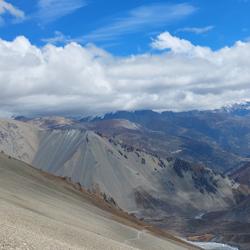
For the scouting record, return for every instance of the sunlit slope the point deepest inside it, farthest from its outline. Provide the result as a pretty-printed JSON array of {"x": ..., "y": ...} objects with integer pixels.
[{"x": 135, "y": 179}]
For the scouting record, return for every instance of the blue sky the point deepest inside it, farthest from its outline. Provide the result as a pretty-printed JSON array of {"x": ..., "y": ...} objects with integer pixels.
[
  {"x": 127, "y": 27},
  {"x": 89, "y": 57}
]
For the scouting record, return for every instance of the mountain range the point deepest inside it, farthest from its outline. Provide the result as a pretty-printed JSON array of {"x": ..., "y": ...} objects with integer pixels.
[{"x": 185, "y": 172}]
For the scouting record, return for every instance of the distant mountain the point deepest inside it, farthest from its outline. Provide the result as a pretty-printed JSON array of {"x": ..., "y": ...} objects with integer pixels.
[
  {"x": 219, "y": 139},
  {"x": 21, "y": 118},
  {"x": 239, "y": 109}
]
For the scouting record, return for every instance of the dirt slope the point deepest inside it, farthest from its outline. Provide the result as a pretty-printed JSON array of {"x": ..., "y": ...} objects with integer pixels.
[{"x": 38, "y": 211}]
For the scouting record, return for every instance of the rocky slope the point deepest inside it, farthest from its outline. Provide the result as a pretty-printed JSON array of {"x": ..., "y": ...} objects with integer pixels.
[
  {"x": 242, "y": 174},
  {"x": 19, "y": 139},
  {"x": 40, "y": 211},
  {"x": 139, "y": 182}
]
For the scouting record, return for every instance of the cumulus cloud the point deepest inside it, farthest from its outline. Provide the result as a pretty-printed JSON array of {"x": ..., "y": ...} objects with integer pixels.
[
  {"x": 6, "y": 7},
  {"x": 176, "y": 45},
  {"x": 87, "y": 80}
]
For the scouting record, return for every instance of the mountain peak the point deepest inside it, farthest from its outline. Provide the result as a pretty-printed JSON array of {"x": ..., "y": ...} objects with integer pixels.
[{"x": 240, "y": 109}]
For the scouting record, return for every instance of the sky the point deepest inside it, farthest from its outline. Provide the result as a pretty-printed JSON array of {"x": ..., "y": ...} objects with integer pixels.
[{"x": 87, "y": 57}]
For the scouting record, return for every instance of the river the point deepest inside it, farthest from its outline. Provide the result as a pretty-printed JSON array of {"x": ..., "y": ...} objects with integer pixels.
[{"x": 213, "y": 246}]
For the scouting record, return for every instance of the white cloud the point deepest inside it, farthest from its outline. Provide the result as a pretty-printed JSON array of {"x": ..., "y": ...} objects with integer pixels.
[
  {"x": 60, "y": 38},
  {"x": 51, "y": 10},
  {"x": 176, "y": 45},
  {"x": 6, "y": 7},
  {"x": 167, "y": 41},
  {"x": 85, "y": 79},
  {"x": 141, "y": 18},
  {"x": 197, "y": 30}
]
